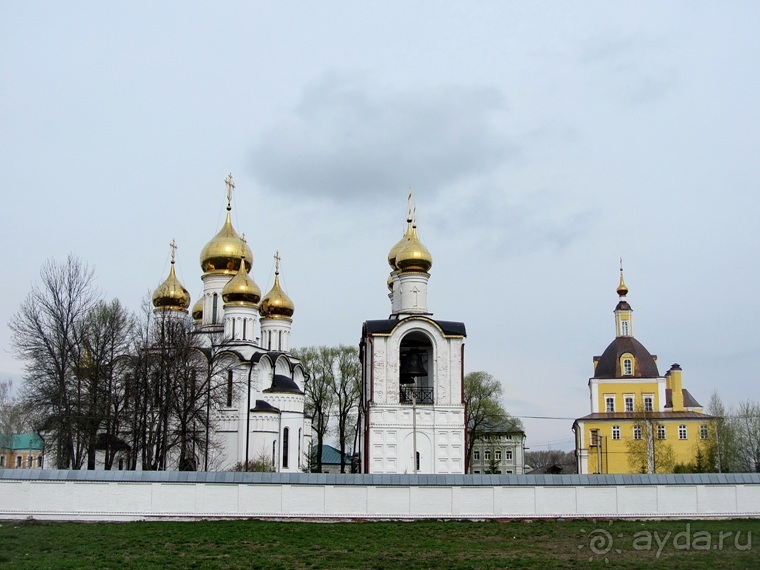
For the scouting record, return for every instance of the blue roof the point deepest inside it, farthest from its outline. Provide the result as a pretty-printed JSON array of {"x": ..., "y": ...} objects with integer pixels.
[{"x": 19, "y": 441}]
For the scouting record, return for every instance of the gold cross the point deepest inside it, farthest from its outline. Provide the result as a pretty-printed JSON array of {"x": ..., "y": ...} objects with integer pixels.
[
  {"x": 409, "y": 204},
  {"x": 230, "y": 187},
  {"x": 173, "y": 246},
  {"x": 277, "y": 261}
]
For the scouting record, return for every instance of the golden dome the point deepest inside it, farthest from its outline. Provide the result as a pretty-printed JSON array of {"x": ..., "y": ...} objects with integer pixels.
[
  {"x": 222, "y": 253},
  {"x": 622, "y": 289},
  {"x": 276, "y": 304},
  {"x": 241, "y": 289},
  {"x": 171, "y": 294},
  {"x": 414, "y": 256},
  {"x": 197, "y": 311},
  {"x": 393, "y": 253}
]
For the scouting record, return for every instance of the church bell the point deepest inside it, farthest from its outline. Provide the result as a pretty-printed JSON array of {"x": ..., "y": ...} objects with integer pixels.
[{"x": 411, "y": 366}]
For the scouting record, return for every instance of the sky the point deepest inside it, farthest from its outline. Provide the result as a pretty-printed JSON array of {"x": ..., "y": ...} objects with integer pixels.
[{"x": 543, "y": 142}]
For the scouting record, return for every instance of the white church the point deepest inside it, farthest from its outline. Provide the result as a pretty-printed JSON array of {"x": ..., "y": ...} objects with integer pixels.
[
  {"x": 248, "y": 336},
  {"x": 412, "y": 374}
]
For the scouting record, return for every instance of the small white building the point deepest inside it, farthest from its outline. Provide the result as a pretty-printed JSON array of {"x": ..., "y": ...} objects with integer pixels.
[{"x": 413, "y": 417}]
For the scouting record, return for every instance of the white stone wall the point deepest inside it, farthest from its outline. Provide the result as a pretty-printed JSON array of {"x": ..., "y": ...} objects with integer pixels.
[{"x": 57, "y": 498}]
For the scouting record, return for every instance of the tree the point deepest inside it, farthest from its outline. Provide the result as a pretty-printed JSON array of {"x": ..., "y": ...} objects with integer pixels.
[
  {"x": 548, "y": 457},
  {"x": 14, "y": 416},
  {"x": 746, "y": 428},
  {"x": 721, "y": 446},
  {"x": 320, "y": 396},
  {"x": 347, "y": 390},
  {"x": 484, "y": 412},
  {"x": 45, "y": 334}
]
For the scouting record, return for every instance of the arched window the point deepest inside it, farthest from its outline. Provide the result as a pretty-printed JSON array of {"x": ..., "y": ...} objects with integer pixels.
[
  {"x": 214, "y": 308},
  {"x": 628, "y": 366},
  {"x": 299, "y": 445},
  {"x": 285, "y": 438},
  {"x": 418, "y": 461}
]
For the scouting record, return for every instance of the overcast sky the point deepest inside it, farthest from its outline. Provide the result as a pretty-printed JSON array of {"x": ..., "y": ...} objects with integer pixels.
[{"x": 543, "y": 142}]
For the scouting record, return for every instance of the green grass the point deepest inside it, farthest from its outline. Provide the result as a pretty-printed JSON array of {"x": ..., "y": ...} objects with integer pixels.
[{"x": 408, "y": 545}]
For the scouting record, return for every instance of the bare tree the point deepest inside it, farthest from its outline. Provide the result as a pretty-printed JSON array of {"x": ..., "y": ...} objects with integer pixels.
[
  {"x": 746, "y": 427},
  {"x": 320, "y": 396},
  {"x": 721, "y": 447},
  {"x": 45, "y": 334},
  {"x": 484, "y": 412},
  {"x": 347, "y": 390}
]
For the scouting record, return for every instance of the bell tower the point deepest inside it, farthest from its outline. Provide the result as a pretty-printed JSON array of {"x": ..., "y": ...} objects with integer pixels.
[{"x": 412, "y": 374}]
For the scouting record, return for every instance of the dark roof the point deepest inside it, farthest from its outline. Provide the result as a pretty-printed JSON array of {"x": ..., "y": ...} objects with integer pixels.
[
  {"x": 647, "y": 415},
  {"x": 262, "y": 406},
  {"x": 283, "y": 384},
  {"x": 623, "y": 306},
  {"x": 689, "y": 401},
  {"x": 608, "y": 365},
  {"x": 386, "y": 326},
  {"x": 110, "y": 441}
]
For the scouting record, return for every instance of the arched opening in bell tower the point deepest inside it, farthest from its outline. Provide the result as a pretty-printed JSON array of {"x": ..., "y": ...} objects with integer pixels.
[{"x": 416, "y": 374}]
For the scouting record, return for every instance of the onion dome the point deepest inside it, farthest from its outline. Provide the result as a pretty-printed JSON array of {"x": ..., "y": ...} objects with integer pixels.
[
  {"x": 414, "y": 256},
  {"x": 393, "y": 253},
  {"x": 171, "y": 294},
  {"x": 197, "y": 310},
  {"x": 241, "y": 289},
  {"x": 276, "y": 304},
  {"x": 222, "y": 253},
  {"x": 622, "y": 289}
]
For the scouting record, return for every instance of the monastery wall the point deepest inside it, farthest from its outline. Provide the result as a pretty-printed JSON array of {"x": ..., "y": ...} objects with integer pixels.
[{"x": 130, "y": 495}]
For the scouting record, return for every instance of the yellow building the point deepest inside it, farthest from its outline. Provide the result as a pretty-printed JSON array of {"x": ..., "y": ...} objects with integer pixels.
[{"x": 640, "y": 422}]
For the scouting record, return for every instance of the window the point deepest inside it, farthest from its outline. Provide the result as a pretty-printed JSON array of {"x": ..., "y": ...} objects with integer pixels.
[
  {"x": 649, "y": 403},
  {"x": 285, "y": 438},
  {"x": 30, "y": 461},
  {"x": 214, "y": 308},
  {"x": 594, "y": 437},
  {"x": 508, "y": 472},
  {"x": 636, "y": 432},
  {"x": 476, "y": 455},
  {"x": 418, "y": 461},
  {"x": 497, "y": 454},
  {"x": 476, "y": 472},
  {"x": 624, "y": 328},
  {"x": 703, "y": 433},
  {"x": 229, "y": 388},
  {"x": 627, "y": 366},
  {"x": 2, "y": 460},
  {"x": 660, "y": 431},
  {"x": 615, "y": 432},
  {"x": 39, "y": 461},
  {"x": 628, "y": 402},
  {"x": 509, "y": 455},
  {"x": 609, "y": 403},
  {"x": 18, "y": 461},
  {"x": 487, "y": 455},
  {"x": 682, "y": 432}
]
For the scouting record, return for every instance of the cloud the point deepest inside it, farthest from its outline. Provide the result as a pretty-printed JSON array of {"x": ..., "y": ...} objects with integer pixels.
[
  {"x": 634, "y": 69},
  {"x": 350, "y": 139}
]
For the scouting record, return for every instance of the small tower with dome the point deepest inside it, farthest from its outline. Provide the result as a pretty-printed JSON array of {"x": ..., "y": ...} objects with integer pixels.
[{"x": 413, "y": 412}]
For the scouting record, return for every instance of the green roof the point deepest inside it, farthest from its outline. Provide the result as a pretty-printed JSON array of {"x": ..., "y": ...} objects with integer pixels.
[
  {"x": 20, "y": 441},
  {"x": 330, "y": 455}
]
